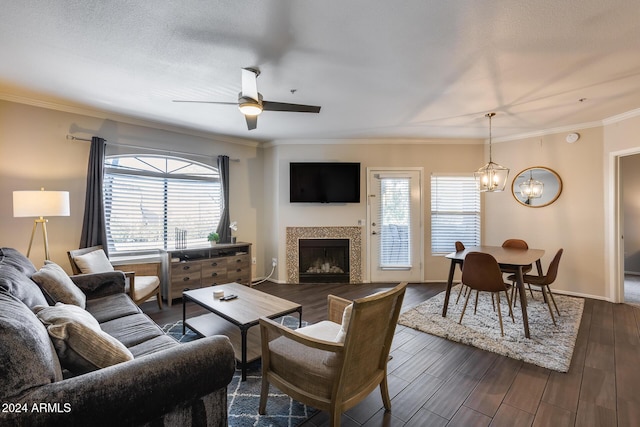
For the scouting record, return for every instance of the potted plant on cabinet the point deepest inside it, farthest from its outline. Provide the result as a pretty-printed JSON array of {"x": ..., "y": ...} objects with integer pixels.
[{"x": 213, "y": 238}]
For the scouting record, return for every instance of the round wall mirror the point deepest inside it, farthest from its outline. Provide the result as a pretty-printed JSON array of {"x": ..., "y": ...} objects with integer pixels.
[{"x": 536, "y": 187}]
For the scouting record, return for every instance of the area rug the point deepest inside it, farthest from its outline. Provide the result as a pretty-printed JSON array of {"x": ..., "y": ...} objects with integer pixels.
[
  {"x": 550, "y": 346},
  {"x": 243, "y": 397}
]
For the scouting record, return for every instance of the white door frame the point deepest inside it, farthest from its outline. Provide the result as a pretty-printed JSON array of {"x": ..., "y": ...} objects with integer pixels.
[
  {"x": 614, "y": 243},
  {"x": 368, "y": 229}
]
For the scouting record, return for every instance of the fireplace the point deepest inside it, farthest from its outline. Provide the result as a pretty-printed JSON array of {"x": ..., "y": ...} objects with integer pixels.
[
  {"x": 323, "y": 260},
  {"x": 353, "y": 235}
]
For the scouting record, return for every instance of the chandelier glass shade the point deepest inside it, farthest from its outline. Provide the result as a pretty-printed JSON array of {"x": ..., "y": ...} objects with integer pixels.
[
  {"x": 531, "y": 189},
  {"x": 491, "y": 177}
]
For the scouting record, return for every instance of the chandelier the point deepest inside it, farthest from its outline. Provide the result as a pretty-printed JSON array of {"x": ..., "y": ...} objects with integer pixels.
[
  {"x": 491, "y": 177},
  {"x": 531, "y": 189}
]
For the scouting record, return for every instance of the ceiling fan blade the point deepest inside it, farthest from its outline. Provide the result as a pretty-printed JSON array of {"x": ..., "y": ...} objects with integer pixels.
[
  {"x": 207, "y": 102},
  {"x": 252, "y": 122},
  {"x": 295, "y": 108},
  {"x": 249, "y": 83}
]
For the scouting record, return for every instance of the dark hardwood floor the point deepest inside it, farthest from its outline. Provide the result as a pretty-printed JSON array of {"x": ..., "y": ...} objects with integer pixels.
[{"x": 435, "y": 382}]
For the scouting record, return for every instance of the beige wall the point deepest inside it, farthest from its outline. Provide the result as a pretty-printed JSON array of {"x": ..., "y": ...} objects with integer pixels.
[
  {"x": 443, "y": 156},
  {"x": 574, "y": 222},
  {"x": 35, "y": 153}
]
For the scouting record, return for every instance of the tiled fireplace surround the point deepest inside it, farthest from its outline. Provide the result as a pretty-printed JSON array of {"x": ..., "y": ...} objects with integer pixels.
[{"x": 354, "y": 234}]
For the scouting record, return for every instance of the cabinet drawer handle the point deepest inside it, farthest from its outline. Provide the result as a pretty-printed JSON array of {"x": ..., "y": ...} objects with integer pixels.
[
  {"x": 214, "y": 264},
  {"x": 186, "y": 267},
  {"x": 239, "y": 270},
  {"x": 238, "y": 260},
  {"x": 185, "y": 279},
  {"x": 214, "y": 274}
]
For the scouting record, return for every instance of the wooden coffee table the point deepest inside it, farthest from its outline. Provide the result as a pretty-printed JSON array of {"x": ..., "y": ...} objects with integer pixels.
[{"x": 234, "y": 318}]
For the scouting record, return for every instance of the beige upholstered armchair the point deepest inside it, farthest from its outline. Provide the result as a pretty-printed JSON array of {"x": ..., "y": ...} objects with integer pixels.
[
  {"x": 334, "y": 364},
  {"x": 142, "y": 279}
]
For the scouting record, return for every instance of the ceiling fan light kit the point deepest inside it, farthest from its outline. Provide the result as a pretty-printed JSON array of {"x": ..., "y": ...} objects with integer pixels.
[{"x": 251, "y": 104}]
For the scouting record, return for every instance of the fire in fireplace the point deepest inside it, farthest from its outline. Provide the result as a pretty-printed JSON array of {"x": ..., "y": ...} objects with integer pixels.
[{"x": 323, "y": 260}]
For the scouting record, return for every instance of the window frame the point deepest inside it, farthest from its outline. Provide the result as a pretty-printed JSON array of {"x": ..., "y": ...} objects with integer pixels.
[
  {"x": 176, "y": 170},
  {"x": 471, "y": 207}
]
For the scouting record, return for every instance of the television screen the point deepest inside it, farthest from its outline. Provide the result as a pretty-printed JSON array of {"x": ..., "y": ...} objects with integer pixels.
[{"x": 324, "y": 182}]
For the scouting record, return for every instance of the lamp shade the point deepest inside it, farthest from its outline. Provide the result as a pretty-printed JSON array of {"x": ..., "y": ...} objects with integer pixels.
[{"x": 40, "y": 203}]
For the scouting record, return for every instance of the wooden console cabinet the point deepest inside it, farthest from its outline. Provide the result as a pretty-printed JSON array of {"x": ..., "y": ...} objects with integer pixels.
[{"x": 195, "y": 268}]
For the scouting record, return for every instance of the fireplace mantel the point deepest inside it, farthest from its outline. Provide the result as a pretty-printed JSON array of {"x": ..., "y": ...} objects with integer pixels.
[{"x": 354, "y": 234}]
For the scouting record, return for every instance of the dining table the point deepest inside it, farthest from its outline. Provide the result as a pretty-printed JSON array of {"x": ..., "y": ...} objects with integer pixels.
[{"x": 513, "y": 259}]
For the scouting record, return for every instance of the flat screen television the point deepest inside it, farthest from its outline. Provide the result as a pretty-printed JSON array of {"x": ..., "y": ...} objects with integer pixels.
[{"x": 324, "y": 182}]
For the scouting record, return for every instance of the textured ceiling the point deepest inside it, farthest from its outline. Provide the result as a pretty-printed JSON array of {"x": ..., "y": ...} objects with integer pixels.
[{"x": 409, "y": 69}]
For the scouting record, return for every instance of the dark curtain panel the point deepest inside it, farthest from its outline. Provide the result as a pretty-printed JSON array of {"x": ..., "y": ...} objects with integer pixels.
[
  {"x": 223, "y": 227},
  {"x": 94, "y": 230}
]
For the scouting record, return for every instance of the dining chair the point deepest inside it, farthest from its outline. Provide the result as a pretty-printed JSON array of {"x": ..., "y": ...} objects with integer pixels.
[
  {"x": 463, "y": 289},
  {"x": 482, "y": 273},
  {"x": 334, "y": 364},
  {"x": 512, "y": 269},
  {"x": 140, "y": 287},
  {"x": 544, "y": 282}
]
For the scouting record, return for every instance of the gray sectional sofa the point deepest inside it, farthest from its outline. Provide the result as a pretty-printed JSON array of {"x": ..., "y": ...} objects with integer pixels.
[{"x": 165, "y": 383}]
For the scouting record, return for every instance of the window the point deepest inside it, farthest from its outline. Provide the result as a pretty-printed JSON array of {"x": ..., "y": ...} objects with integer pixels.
[
  {"x": 455, "y": 212},
  {"x": 154, "y": 202}
]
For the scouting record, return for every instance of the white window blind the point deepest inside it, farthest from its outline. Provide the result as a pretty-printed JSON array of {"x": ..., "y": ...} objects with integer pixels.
[
  {"x": 395, "y": 226},
  {"x": 455, "y": 212},
  {"x": 149, "y": 200}
]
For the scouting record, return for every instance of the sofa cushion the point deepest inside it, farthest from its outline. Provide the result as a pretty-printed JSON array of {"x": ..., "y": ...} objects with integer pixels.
[
  {"x": 153, "y": 345},
  {"x": 111, "y": 307},
  {"x": 53, "y": 279},
  {"x": 27, "y": 357},
  {"x": 93, "y": 262},
  {"x": 132, "y": 330},
  {"x": 80, "y": 343},
  {"x": 15, "y": 277}
]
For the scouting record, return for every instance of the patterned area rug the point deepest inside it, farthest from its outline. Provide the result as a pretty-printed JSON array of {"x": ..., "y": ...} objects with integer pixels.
[
  {"x": 549, "y": 346},
  {"x": 243, "y": 397}
]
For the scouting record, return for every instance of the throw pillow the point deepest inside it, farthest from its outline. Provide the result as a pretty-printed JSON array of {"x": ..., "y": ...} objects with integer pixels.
[
  {"x": 53, "y": 279},
  {"x": 80, "y": 343},
  {"x": 346, "y": 318},
  {"x": 27, "y": 357},
  {"x": 93, "y": 262}
]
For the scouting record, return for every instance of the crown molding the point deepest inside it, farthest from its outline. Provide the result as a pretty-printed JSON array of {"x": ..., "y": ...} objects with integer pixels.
[
  {"x": 621, "y": 117},
  {"x": 105, "y": 115},
  {"x": 373, "y": 141},
  {"x": 101, "y": 114}
]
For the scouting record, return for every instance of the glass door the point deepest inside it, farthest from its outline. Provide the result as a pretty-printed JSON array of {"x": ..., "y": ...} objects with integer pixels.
[{"x": 395, "y": 225}]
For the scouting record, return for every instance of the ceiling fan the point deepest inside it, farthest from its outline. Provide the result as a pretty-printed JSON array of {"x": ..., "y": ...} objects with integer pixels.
[{"x": 251, "y": 103}]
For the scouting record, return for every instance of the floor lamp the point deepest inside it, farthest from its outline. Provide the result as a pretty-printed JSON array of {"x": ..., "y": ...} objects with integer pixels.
[{"x": 40, "y": 204}]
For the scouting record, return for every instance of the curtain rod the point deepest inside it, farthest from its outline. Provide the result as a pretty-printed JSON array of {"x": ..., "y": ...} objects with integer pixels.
[{"x": 75, "y": 138}]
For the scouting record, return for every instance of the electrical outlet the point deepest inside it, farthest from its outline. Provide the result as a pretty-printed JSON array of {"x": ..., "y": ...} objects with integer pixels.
[
  {"x": 274, "y": 262},
  {"x": 254, "y": 260}
]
